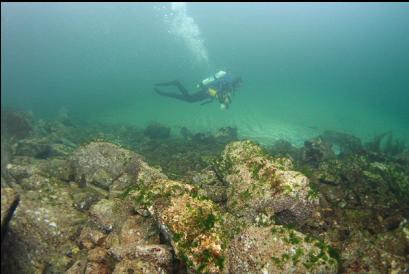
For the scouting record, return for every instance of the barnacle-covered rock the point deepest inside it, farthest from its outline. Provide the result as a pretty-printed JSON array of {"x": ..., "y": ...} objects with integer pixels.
[
  {"x": 275, "y": 249},
  {"x": 9, "y": 202},
  {"x": 42, "y": 231},
  {"x": 17, "y": 125},
  {"x": 361, "y": 255},
  {"x": 259, "y": 184},
  {"x": 110, "y": 214},
  {"x": 348, "y": 144},
  {"x": 316, "y": 150},
  {"x": 41, "y": 148},
  {"x": 210, "y": 186},
  {"x": 106, "y": 165},
  {"x": 138, "y": 266},
  {"x": 143, "y": 258},
  {"x": 191, "y": 223}
]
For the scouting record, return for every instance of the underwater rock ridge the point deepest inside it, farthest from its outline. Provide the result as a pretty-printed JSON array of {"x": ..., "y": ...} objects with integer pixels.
[
  {"x": 207, "y": 237},
  {"x": 101, "y": 208}
]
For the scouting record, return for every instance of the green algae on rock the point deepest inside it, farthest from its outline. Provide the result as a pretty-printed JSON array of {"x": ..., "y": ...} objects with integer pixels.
[
  {"x": 43, "y": 229},
  {"x": 190, "y": 222},
  {"x": 258, "y": 183},
  {"x": 106, "y": 165},
  {"x": 276, "y": 249},
  {"x": 9, "y": 202}
]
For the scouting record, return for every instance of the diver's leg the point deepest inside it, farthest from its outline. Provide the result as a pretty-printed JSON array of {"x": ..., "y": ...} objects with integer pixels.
[
  {"x": 198, "y": 96},
  {"x": 177, "y": 84},
  {"x": 172, "y": 95},
  {"x": 195, "y": 97}
]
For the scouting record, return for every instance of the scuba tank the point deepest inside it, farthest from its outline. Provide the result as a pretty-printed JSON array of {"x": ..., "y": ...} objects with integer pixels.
[{"x": 210, "y": 79}]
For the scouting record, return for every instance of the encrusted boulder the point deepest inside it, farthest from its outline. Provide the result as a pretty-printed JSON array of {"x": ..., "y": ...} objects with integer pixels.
[
  {"x": 110, "y": 214},
  {"x": 362, "y": 254},
  {"x": 209, "y": 240},
  {"x": 192, "y": 224},
  {"x": 59, "y": 168},
  {"x": 315, "y": 151},
  {"x": 20, "y": 171},
  {"x": 209, "y": 185},
  {"x": 106, "y": 165},
  {"x": 157, "y": 131},
  {"x": 143, "y": 258},
  {"x": 275, "y": 249},
  {"x": 226, "y": 134},
  {"x": 41, "y": 148},
  {"x": 347, "y": 144},
  {"x": 138, "y": 266},
  {"x": 9, "y": 202},
  {"x": 17, "y": 125},
  {"x": 259, "y": 184},
  {"x": 42, "y": 231}
]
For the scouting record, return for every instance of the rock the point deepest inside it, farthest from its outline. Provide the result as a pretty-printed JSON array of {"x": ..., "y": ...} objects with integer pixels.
[
  {"x": 212, "y": 187},
  {"x": 157, "y": 256},
  {"x": 85, "y": 197},
  {"x": 347, "y": 143},
  {"x": 157, "y": 131},
  {"x": 275, "y": 249},
  {"x": 6, "y": 154},
  {"x": 89, "y": 237},
  {"x": 329, "y": 172},
  {"x": 137, "y": 266},
  {"x": 283, "y": 148},
  {"x": 9, "y": 202},
  {"x": 59, "y": 168},
  {"x": 42, "y": 231},
  {"x": 259, "y": 184},
  {"x": 77, "y": 268},
  {"x": 360, "y": 255},
  {"x": 97, "y": 255},
  {"x": 97, "y": 268},
  {"x": 394, "y": 242},
  {"x": 40, "y": 148},
  {"x": 102, "y": 164},
  {"x": 19, "y": 172},
  {"x": 138, "y": 230},
  {"x": 16, "y": 124},
  {"x": 108, "y": 215},
  {"x": 148, "y": 175},
  {"x": 315, "y": 151},
  {"x": 226, "y": 134},
  {"x": 34, "y": 182},
  {"x": 193, "y": 225}
]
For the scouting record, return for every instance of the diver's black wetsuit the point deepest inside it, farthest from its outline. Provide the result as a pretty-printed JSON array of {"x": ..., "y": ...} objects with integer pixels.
[{"x": 185, "y": 95}]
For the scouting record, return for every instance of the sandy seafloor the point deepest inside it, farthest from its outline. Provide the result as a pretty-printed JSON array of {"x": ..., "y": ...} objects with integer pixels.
[{"x": 281, "y": 116}]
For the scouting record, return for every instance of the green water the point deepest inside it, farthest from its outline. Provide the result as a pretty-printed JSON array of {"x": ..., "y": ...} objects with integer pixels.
[{"x": 305, "y": 67}]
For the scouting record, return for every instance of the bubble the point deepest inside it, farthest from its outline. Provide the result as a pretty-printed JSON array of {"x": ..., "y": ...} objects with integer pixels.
[{"x": 184, "y": 26}]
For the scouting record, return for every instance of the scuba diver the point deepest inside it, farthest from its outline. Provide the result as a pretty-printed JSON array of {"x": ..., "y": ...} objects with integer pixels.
[{"x": 220, "y": 86}]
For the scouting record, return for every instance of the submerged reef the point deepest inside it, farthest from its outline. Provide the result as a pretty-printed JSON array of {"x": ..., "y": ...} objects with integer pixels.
[
  {"x": 100, "y": 198},
  {"x": 157, "y": 131}
]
